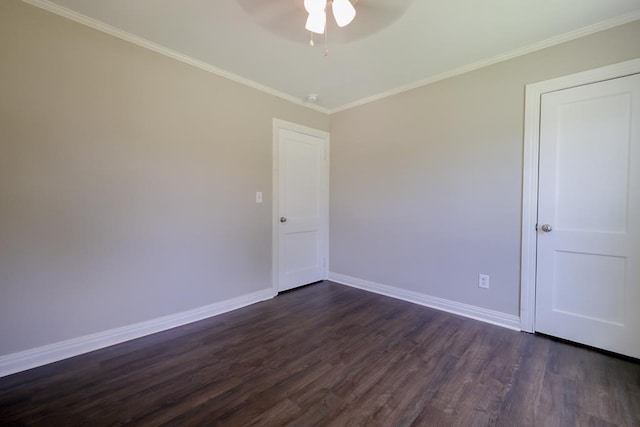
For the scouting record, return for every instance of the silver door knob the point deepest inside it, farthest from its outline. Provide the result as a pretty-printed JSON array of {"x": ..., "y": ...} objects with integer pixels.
[
  {"x": 283, "y": 219},
  {"x": 546, "y": 228}
]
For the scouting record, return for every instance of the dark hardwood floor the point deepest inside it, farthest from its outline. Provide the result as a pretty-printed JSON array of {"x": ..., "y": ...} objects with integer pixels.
[{"x": 330, "y": 355}]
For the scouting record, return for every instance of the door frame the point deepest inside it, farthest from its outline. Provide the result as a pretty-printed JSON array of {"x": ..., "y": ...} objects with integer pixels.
[
  {"x": 279, "y": 124},
  {"x": 533, "y": 94}
]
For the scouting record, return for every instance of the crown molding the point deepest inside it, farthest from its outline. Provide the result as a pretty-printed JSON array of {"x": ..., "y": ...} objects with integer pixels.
[
  {"x": 155, "y": 47},
  {"x": 563, "y": 38}
]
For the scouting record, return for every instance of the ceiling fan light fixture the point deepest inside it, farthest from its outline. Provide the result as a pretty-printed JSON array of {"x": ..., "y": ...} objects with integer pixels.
[
  {"x": 343, "y": 12},
  {"x": 316, "y": 22},
  {"x": 312, "y": 6}
]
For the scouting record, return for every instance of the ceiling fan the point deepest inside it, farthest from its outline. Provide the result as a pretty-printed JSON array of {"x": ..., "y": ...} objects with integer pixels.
[{"x": 287, "y": 18}]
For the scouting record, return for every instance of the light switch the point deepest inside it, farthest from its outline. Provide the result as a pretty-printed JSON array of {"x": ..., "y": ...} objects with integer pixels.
[{"x": 258, "y": 196}]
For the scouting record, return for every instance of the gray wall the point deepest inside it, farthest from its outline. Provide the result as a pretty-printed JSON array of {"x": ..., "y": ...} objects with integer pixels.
[
  {"x": 127, "y": 182},
  {"x": 426, "y": 185}
]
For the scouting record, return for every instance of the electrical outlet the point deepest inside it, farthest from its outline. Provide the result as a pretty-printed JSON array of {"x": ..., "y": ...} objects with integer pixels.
[{"x": 483, "y": 281}]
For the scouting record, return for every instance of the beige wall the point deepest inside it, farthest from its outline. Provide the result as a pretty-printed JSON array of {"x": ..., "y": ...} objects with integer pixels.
[
  {"x": 426, "y": 185},
  {"x": 127, "y": 182}
]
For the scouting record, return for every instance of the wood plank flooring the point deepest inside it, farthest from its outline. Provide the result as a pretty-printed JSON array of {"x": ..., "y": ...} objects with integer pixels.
[{"x": 330, "y": 355}]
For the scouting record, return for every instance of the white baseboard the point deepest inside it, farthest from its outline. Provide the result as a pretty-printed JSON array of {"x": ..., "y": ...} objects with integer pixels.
[
  {"x": 32, "y": 358},
  {"x": 490, "y": 316}
]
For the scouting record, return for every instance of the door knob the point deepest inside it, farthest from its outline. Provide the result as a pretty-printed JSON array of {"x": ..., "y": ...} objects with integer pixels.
[
  {"x": 546, "y": 228},
  {"x": 283, "y": 219}
]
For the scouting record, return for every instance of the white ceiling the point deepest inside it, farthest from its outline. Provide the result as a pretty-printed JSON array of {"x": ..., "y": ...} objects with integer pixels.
[{"x": 392, "y": 45}]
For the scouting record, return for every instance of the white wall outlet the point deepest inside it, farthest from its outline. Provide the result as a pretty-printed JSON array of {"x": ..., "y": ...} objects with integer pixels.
[
  {"x": 483, "y": 281},
  {"x": 258, "y": 196}
]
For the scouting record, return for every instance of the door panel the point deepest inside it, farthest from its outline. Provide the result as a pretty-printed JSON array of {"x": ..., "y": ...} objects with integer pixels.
[
  {"x": 303, "y": 203},
  {"x": 588, "y": 274}
]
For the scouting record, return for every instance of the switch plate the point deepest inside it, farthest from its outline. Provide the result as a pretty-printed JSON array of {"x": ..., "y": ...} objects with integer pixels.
[
  {"x": 483, "y": 281},
  {"x": 258, "y": 196}
]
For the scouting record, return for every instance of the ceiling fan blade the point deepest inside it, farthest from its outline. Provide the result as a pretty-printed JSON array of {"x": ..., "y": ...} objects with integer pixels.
[
  {"x": 316, "y": 22},
  {"x": 343, "y": 12},
  {"x": 312, "y": 6}
]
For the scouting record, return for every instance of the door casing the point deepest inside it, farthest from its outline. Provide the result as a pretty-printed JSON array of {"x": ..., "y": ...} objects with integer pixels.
[
  {"x": 277, "y": 126},
  {"x": 533, "y": 95}
]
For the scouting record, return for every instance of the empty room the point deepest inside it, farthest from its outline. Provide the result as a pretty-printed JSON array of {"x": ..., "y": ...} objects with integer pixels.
[{"x": 312, "y": 212}]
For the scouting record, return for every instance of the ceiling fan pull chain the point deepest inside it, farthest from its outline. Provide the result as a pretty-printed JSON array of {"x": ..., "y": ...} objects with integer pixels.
[
  {"x": 311, "y": 43},
  {"x": 326, "y": 41}
]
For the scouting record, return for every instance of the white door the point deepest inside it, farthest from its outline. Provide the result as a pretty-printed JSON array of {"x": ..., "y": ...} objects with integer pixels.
[
  {"x": 302, "y": 214},
  {"x": 588, "y": 262}
]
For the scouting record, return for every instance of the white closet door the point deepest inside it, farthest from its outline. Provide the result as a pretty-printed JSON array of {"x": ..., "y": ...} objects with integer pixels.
[{"x": 588, "y": 268}]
